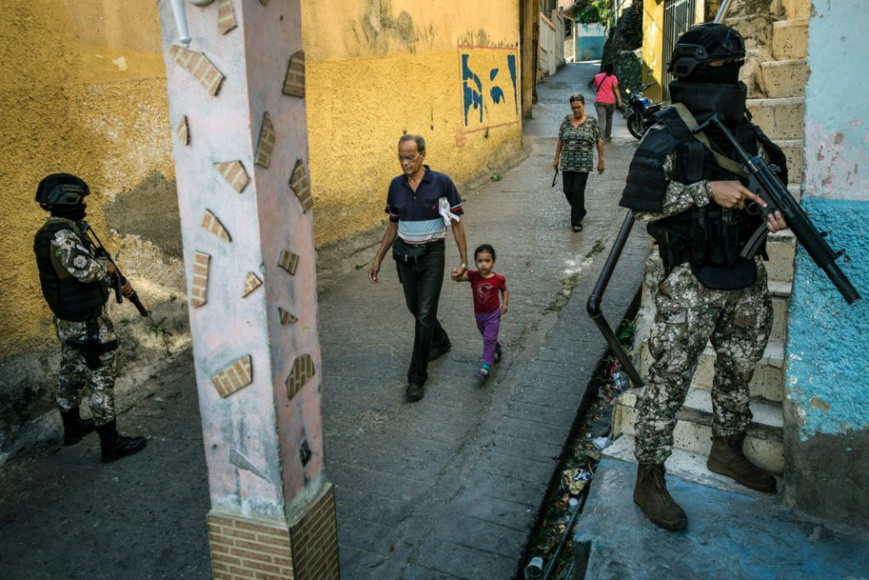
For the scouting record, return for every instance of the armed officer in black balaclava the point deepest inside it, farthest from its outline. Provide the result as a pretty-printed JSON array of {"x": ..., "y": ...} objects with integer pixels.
[
  {"x": 687, "y": 188},
  {"x": 75, "y": 282}
]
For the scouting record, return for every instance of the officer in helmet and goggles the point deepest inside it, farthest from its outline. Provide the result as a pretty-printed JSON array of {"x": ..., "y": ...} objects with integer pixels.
[{"x": 75, "y": 281}]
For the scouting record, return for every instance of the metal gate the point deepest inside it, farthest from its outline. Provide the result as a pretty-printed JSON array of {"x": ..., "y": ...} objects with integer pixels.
[{"x": 678, "y": 17}]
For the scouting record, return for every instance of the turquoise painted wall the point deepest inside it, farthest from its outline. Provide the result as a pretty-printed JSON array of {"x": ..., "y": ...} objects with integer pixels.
[
  {"x": 828, "y": 368},
  {"x": 590, "y": 39}
]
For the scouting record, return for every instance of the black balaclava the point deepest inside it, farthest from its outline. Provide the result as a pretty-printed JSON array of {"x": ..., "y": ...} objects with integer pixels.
[{"x": 74, "y": 213}]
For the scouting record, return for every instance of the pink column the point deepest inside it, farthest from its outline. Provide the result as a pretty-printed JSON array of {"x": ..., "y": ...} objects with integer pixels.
[{"x": 236, "y": 100}]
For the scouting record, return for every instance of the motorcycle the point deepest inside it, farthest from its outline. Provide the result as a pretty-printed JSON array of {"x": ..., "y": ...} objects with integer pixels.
[{"x": 641, "y": 111}]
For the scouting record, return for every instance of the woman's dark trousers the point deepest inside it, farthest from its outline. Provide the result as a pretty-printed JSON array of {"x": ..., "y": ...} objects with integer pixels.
[{"x": 574, "y": 191}]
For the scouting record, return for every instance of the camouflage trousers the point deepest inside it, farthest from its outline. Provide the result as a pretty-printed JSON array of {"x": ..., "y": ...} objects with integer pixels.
[
  {"x": 736, "y": 322},
  {"x": 75, "y": 374}
]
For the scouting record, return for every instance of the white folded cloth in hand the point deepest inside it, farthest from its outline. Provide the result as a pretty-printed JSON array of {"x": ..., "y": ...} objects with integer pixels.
[{"x": 444, "y": 210}]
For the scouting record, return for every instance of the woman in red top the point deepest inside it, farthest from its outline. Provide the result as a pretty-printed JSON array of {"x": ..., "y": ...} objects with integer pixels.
[
  {"x": 488, "y": 308},
  {"x": 606, "y": 94}
]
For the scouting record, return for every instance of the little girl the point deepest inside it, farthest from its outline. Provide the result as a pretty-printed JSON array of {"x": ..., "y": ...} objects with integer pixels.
[{"x": 485, "y": 285}]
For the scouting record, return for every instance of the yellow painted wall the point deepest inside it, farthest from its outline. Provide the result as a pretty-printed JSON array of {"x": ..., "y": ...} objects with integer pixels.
[
  {"x": 82, "y": 89},
  {"x": 377, "y": 69},
  {"x": 654, "y": 59},
  {"x": 653, "y": 39}
]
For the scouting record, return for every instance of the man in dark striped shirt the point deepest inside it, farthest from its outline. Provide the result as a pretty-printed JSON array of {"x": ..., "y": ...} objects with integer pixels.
[{"x": 421, "y": 205}]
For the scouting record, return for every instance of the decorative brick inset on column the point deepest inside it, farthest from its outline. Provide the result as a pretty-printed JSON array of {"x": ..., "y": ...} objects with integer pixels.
[
  {"x": 182, "y": 131},
  {"x": 200, "y": 67},
  {"x": 249, "y": 548},
  {"x": 234, "y": 173},
  {"x": 288, "y": 261},
  {"x": 199, "y": 294},
  {"x": 213, "y": 225},
  {"x": 303, "y": 369},
  {"x": 314, "y": 540},
  {"x": 250, "y": 284},
  {"x": 286, "y": 317},
  {"x": 294, "y": 84},
  {"x": 234, "y": 377},
  {"x": 266, "y": 145},
  {"x": 301, "y": 186},
  {"x": 225, "y": 17}
]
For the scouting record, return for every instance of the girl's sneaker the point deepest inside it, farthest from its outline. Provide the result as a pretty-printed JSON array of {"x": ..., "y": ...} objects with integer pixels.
[
  {"x": 483, "y": 373},
  {"x": 498, "y": 352}
]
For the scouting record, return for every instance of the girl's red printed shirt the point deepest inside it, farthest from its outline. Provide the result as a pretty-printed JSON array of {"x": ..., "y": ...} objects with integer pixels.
[{"x": 486, "y": 291}]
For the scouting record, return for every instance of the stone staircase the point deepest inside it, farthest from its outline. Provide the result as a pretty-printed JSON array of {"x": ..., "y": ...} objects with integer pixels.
[{"x": 777, "y": 77}]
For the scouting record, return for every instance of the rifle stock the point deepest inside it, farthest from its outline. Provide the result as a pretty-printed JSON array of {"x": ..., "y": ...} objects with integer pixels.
[{"x": 763, "y": 180}]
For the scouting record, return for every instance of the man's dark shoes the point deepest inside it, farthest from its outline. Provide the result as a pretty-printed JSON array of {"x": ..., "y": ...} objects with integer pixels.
[
  {"x": 728, "y": 459},
  {"x": 74, "y": 427},
  {"x": 650, "y": 493},
  {"x": 114, "y": 446},
  {"x": 415, "y": 392},
  {"x": 436, "y": 352}
]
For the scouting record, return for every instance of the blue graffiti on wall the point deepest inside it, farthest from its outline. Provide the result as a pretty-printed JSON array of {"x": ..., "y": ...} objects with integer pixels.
[{"x": 472, "y": 88}]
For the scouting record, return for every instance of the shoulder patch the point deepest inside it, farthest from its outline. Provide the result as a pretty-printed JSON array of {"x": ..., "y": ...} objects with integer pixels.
[{"x": 80, "y": 261}]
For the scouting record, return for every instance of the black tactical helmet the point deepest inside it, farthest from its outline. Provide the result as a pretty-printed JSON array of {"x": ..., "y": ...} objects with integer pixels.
[
  {"x": 706, "y": 43},
  {"x": 61, "y": 189}
]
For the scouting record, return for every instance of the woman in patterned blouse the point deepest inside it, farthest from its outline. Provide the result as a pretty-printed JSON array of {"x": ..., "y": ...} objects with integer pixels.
[{"x": 577, "y": 138}]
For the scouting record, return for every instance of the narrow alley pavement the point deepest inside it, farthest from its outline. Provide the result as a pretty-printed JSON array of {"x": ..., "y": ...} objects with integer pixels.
[{"x": 449, "y": 487}]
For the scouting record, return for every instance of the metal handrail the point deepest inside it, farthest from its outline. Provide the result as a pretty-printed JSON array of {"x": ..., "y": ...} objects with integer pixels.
[
  {"x": 722, "y": 10},
  {"x": 594, "y": 300}
]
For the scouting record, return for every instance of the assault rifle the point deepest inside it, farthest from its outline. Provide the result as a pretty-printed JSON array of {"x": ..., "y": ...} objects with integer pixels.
[
  {"x": 763, "y": 181},
  {"x": 119, "y": 279}
]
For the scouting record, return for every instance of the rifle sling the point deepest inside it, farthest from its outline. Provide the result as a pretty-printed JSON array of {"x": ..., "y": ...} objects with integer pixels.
[{"x": 722, "y": 161}]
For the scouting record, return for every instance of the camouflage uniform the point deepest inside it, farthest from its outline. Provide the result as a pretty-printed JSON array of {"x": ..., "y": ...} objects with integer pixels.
[
  {"x": 78, "y": 259},
  {"x": 737, "y": 322}
]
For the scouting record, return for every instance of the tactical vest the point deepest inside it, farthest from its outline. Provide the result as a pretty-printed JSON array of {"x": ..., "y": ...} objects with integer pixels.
[
  {"x": 710, "y": 237},
  {"x": 68, "y": 298}
]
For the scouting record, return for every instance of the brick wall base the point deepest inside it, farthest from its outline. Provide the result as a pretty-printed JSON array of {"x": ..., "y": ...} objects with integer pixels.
[{"x": 258, "y": 548}]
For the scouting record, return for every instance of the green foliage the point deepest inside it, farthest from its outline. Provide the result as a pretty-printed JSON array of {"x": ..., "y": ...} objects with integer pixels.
[
  {"x": 630, "y": 28},
  {"x": 620, "y": 45},
  {"x": 594, "y": 12}
]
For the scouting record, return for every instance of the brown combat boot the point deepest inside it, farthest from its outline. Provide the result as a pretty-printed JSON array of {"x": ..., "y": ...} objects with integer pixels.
[
  {"x": 652, "y": 496},
  {"x": 728, "y": 459}
]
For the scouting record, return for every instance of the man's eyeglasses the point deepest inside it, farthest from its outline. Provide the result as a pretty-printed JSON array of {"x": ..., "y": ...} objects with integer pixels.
[{"x": 408, "y": 158}]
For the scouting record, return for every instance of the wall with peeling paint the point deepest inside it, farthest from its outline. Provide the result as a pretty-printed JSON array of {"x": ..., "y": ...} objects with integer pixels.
[
  {"x": 827, "y": 419},
  {"x": 377, "y": 69},
  {"x": 83, "y": 91}
]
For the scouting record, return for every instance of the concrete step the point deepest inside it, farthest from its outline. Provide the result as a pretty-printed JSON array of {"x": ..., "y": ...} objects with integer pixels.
[
  {"x": 795, "y": 153},
  {"x": 790, "y": 39},
  {"x": 796, "y": 9},
  {"x": 779, "y": 118},
  {"x": 780, "y": 247},
  {"x": 784, "y": 78},
  {"x": 768, "y": 380},
  {"x": 684, "y": 464},
  {"x": 693, "y": 432}
]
